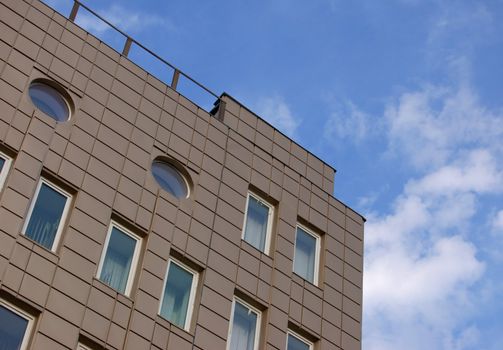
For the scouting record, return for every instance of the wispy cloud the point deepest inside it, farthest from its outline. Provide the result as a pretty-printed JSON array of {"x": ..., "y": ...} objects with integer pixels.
[
  {"x": 348, "y": 122},
  {"x": 432, "y": 126},
  {"x": 421, "y": 264},
  {"x": 497, "y": 222},
  {"x": 277, "y": 112},
  {"x": 125, "y": 19}
]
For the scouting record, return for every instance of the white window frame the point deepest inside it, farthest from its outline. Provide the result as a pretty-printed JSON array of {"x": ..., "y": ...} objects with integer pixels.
[
  {"x": 134, "y": 261},
  {"x": 26, "y": 316},
  {"x": 269, "y": 219},
  {"x": 299, "y": 337},
  {"x": 317, "y": 237},
  {"x": 81, "y": 346},
  {"x": 5, "y": 169},
  {"x": 257, "y": 326},
  {"x": 64, "y": 215},
  {"x": 192, "y": 295}
]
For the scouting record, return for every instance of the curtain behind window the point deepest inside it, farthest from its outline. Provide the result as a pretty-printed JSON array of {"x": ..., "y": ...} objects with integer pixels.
[
  {"x": 118, "y": 259},
  {"x": 175, "y": 303},
  {"x": 12, "y": 329},
  {"x": 256, "y": 223},
  {"x": 243, "y": 328},
  {"x": 45, "y": 216},
  {"x": 305, "y": 250}
]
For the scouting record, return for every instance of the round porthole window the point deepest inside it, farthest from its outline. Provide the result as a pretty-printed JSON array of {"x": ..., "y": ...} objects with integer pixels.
[
  {"x": 170, "y": 178},
  {"x": 50, "y": 101}
]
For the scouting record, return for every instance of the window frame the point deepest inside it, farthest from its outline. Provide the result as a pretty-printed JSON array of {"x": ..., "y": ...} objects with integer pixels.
[
  {"x": 50, "y": 85},
  {"x": 64, "y": 214},
  {"x": 81, "y": 346},
  {"x": 177, "y": 169},
  {"x": 270, "y": 216},
  {"x": 258, "y": 325},
  {"x": 317, "y": 253},
  {"x": 134, "y": 261},
  {"x": 28, "y": 317},
  {"x": 5, "y": 169},
  {"x": 299, "y": 337},
  {"x": 192, "y": 295}
]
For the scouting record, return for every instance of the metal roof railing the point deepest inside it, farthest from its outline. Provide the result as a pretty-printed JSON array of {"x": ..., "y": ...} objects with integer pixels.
[{"x": 219, "y": 104}]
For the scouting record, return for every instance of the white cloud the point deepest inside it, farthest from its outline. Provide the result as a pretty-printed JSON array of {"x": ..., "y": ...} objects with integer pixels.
[
  {"x": 277, "y": 112},
  {"x": 497, "y": 223},
  {"x": 348, "y": 122},
  {"x": 477, "y": 171},
  {"x": 125, "y": 19},
  {"x": 421, "y": 266},
  {"x": 432, "y": 126}
]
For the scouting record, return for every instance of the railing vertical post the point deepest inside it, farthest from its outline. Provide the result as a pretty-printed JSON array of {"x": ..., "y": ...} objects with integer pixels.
[
  {"x": 75, "y": 9},
  {"x": 174, "y": 81},
  {"x": 127, "y": 46}
]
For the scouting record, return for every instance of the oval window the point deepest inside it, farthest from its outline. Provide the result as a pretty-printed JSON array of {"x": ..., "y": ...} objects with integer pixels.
[
  {"x": 170, "y": 179},
  {"x": 50, "y": 101}
]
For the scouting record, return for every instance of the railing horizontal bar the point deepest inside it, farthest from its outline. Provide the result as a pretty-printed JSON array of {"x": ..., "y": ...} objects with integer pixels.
[{"x": 130, "y": 41}]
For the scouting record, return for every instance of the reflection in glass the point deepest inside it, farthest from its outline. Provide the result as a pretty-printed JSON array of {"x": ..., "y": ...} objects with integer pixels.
[
  {"x": 244, "y": 325},
  {"x": 170, "y": 179},
  {"x": 118, "y": 259},
  {"x": 50, "y": 101},
  {"x": 256, "y": 223},
  {"x": 46, "y": 216},
  {"x": 175, "y": 302},
  {"x": 295, "y": 343},
  {"x": 305, "y": 255},
  {"x": 12, "y": 329}
]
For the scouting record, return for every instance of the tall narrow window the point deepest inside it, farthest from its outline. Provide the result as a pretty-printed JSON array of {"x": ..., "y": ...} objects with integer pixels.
[
  {"x": 47, "y": 214},
  {"x": 119, "y": 259},
  {"x": 258, "y": 223},
  {"x": 244, "y": 327},
  {"x": 177, "y": 300},
  {"x": 4, "y": 168},
  {"x": 307, "y": 253},
  {"x": 15, "y": 327},
  {"x": 296, "y": 342}
]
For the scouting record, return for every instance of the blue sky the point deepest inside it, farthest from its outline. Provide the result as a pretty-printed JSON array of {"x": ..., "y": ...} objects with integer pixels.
[{"x": 404, "y": 99}]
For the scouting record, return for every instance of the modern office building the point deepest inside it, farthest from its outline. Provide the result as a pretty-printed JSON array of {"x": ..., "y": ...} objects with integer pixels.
[{"x": 132, "y": 218}]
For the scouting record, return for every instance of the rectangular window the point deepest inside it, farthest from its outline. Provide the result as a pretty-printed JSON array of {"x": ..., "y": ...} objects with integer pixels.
[
  {"x": 296, "y": 342},
  {"x": 258, "y": 223},
  {"x": 15, "y": 327},
  {"x": 244, "y": 327},
  {"x": 47, "y": 214},
  {"x": 177, "y": 301},
  {"x": 307, "y": 254},
  {"x": 119, "y": 258},
  {"x": 4, "y": 168}
]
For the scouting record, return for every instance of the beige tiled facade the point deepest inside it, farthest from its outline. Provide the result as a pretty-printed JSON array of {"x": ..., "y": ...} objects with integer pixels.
[{"x": 123, "y": 119}]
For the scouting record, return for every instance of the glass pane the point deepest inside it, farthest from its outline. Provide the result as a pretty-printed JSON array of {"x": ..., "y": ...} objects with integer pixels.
[
  {"x": 118, "y": 259},
  {"x": 176, "y": 295},
  {"x": 305, "y": 251},
  {"x": 295, "y": 343},
  {"x": 244, "y": 326},
  {"x": 256, "y": 223},
  {"x": 12, "y": 329},
  {"x": 49, "y": 101},
  {"x": 46, "y": 216},
  {"x": 2, "y": 162},
  {"x": 170, "y": 179}
]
